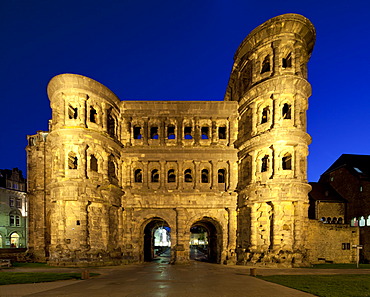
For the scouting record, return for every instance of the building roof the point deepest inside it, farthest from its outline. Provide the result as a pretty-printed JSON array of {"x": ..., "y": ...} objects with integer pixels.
[
  {"x": 11, "y": 174},
  {"x": 357, "y": 164},
  {"x": 324, "y": 192}
]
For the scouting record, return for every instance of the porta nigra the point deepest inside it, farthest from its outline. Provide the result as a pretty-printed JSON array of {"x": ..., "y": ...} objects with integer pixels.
[{"x": 120, "y": 181}]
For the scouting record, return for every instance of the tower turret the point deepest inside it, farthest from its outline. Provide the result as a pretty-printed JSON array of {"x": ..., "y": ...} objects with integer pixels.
[{"x": 269, "y": 80}]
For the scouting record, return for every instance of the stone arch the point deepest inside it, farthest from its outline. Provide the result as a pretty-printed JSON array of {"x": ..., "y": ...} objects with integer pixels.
[
  {"x": 14, "y": 239},
  {"x": 152, "y": 246},
  {"x": 206, "y": 240}
]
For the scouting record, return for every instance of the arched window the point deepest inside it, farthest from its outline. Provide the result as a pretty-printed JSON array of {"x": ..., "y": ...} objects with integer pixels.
[
  {"x": 187, "y": 132},
  {"x": 155, "y": 176},
  {"x": 287, "y": 162},
  {"x": 111, "y": 124},
  {"x": 340, "y": 220},
  {"x": 72, "y": 112},
  {"x": 93, "y": 115},
  {"x": 265, "y": 115},
  {"x": 265, "y": 64},
  {"x": 334, "y": 221},
  {"x": 328, "y": 220},
  {"x": 188, "y": 176},
  {"x": 205, "y": 132},
  {"x": 205, "y": 176},
  {"x": 287, "y": 61},
  {"x": 362, "y": 222},
  {"x": 72, "y": 161},
  {"x": 154, "y": 133},
  {"x": 14, "y": 240},
  {"x": 138, "y": 176},
  {"x": 171, "y": 132},
  {"x": 93, "y": 163},
  {"x": 137, "y": 132},
  {"x": 368, "y": 221},
  {"x": 221, "y": 176},
  {"x": 265, "y": 163},
  {"x": 354, "y": 222},
  {"x": 287, "y": 111},
  {"x": 171, "y": 176},
  {"x": 323, "y": 219},
  {"x": 112, "y": 176}
]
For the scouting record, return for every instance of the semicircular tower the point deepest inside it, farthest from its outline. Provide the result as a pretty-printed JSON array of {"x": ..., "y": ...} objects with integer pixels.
[
  {"x": 84, "y": 209},
  {"x": 269, "y": 80}
]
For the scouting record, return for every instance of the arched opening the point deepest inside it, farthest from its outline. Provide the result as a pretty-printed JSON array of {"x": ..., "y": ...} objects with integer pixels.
[
  {"x": 14, "y": 240},
  {"x": 157, "y": 241},
  {"x": 205, "y": 241}
]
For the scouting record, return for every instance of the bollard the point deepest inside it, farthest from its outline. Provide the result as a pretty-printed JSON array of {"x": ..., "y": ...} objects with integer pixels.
[
  {"x": 85, "y": 274},
  {"x": 253, "y": 272}
]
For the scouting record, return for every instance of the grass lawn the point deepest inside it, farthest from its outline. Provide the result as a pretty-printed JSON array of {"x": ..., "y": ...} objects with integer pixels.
[
  {"x": 7, "y": 278},
  {"x": 340, "y": 266},
  {"x": 349, "y": 285},
  {"x": 30, "y": 265}
]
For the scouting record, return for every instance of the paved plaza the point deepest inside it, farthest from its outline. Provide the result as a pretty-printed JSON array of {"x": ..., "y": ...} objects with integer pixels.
[{"x": 156, "y": 280}]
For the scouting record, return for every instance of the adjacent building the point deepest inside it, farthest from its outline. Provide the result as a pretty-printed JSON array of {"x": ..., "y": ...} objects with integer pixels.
[{"x": 13, "y": 209}]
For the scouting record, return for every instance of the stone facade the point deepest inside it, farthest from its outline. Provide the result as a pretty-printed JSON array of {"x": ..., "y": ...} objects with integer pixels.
[
  {"x": 108, "y": 172},
  {"x": 13, "y": 209}
]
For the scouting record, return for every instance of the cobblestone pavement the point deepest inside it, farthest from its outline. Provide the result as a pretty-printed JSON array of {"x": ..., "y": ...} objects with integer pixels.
[{"x": 162, "y": 280}]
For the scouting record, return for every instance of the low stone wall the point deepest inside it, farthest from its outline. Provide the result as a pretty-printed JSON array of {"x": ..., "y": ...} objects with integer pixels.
[
  {"x": 365, "y": 242},
  {"x": 331, "y": 243},
  {"x": 14, "y": 254}
]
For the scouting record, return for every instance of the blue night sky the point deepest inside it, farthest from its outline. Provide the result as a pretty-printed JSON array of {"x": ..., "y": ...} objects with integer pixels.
[{"x": 177, "y": 50}]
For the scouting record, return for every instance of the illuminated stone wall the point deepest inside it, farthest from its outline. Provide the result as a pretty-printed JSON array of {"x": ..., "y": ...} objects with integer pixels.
[{"x": 107, "y": 170}]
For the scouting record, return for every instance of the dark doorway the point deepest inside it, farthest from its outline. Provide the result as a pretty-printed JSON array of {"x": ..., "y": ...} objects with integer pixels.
[
  {"x": 157, "y": 241},
  {"x": 205, "y": 241}
]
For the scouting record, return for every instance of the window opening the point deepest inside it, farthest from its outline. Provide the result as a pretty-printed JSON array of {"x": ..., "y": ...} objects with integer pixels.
[
  {"x": 111, "y": 124},
  {"x": 205, "y": 132},
  {"x": 17, "y": 221},
  {"x": 14, "y": 240},
  {"x": 93, "y": 115},
  {"x": 112, "y": 171},
  {"x": 93, "y": 163},
  {"x": 154, "y": 132},
  {"x": 346, "y": 246},
  {"x": 188, "y": 176},
  {"x": 138, "y": 176},
  {"x": 287, "y": 111},
  {"x": 78, "y": 223},
  {"x": 11, "y": 220},
  {"x": 340, "y": 220},
  {"x": 155, "y": 176},
  {"x": 265, "y": 115},
  {"x": 205, "y": 176},
  {"x": 287, "y": 61},
  {"x": 334, "y": 221},
  {"x": 221, "y": 132},
  {"x": 287, "y": 162},
  {"x": 171, "y": 132},
  {"x": 72, "y": 161},
  {"x": 265, "y": 163},
  {"x": 266, "y": 64},
  {"x": 137, "y": 132},
  {"x": 171, "y": 176},
  {"x": 187, "y": 133},
  {"x": 72, "y": 112},
  {"x": 221, "y": 176},
  {"x": 11, "y": 202},
  {"x": 328, "y": 220},
  {"x": 19, "y": 203},
  {"x": 362, "y": 222}
]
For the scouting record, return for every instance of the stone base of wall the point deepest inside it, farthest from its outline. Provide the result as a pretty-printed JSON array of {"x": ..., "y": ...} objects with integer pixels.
[{"x": 14, "y": 254}]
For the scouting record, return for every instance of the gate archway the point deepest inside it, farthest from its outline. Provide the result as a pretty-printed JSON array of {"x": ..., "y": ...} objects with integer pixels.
[
  {"x": 157, "y": 241},
  {"x": 206, "y": 241}
]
